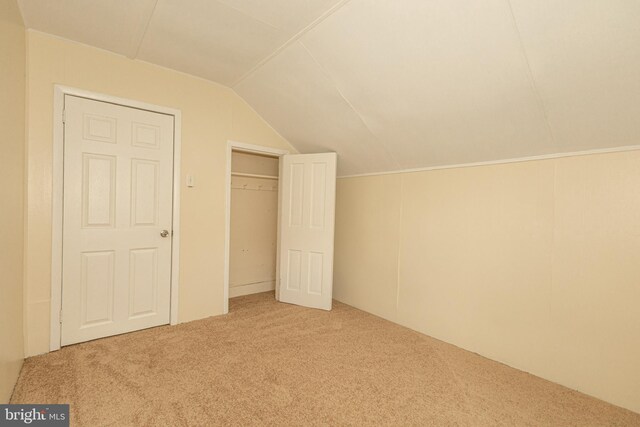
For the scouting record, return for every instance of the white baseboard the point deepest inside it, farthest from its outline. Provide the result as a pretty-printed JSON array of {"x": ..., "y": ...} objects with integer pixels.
[{"x": 251, "y": 288}]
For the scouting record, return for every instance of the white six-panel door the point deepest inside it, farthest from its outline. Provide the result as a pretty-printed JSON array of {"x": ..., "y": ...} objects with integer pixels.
[
  {"x": 118, "y": 179},
  {"x": 307, "y": 229}
]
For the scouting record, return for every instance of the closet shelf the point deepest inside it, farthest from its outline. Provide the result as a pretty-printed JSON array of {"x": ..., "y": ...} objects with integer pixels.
[{"x": 253, "y": 175}]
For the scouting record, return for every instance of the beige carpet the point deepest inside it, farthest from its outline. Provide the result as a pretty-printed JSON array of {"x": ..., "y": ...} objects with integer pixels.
[{"x": 268, "y": 363}]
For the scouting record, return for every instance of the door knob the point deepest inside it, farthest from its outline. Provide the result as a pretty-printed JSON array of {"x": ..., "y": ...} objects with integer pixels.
[{"x": 164, "y": 233}]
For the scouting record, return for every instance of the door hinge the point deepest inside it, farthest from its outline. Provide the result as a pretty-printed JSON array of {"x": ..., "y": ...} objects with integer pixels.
[
  {"x": 64, "y": 116},
  {"x": 61, "y": 316}
]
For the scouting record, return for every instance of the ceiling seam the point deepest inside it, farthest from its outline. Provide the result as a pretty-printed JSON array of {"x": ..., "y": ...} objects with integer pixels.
[
  {"x": 247, "y": 15},
  {"x": 144, "y": 31},
  {"x": 534, "y": 85},
  {"x": 110, "y": 52},
  {"x": 353, "y": 108},
  {"x": 292, "y": 40}
]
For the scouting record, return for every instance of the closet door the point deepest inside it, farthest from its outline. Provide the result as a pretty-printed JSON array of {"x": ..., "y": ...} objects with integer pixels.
[
  {"x": 118, "y": 196},
  {"x": 306, "y": 229}
]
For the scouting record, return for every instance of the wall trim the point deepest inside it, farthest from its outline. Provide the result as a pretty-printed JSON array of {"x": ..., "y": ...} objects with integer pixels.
[
  {"x": 503, "y": 161},
  {"x": 59, "y": 93},
  {"x": 251, "y": 288},
  {"x": 245, "y": 148}
]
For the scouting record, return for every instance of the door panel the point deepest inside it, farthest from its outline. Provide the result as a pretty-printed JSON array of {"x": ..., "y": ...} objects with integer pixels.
[
  {"x": 118, "y": 195},
  {"x": 143, "y": 282},
  {"x": 97, "y": 282},
  {"x": 307, "y": 228},
  {"x": 99, "y": 190},
  {"x": 144, "y": 192}
]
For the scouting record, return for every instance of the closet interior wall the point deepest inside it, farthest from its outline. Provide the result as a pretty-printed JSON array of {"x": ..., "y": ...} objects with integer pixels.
[{"x": 254, "y": 223}]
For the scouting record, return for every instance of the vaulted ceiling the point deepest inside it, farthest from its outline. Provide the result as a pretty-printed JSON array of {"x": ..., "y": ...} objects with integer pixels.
[{"x": 394, "y": 84}]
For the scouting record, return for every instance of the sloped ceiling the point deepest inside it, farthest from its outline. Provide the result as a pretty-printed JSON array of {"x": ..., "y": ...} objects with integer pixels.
[{"x": 394, "y": 84}]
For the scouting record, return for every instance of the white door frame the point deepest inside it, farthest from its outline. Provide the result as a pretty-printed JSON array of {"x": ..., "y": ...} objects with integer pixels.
[
  {"x": 247, "y": 148},
  {"x": 58, "y": 199}
]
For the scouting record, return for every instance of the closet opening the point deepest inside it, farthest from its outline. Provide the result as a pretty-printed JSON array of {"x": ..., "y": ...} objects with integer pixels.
[{"x": 252, "y": 213}]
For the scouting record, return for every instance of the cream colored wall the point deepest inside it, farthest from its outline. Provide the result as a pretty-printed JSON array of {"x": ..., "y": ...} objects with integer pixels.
[
  {"x": 254, "y": 164},
  {"x": 366, "y": 243},
  {"x": 533, "y": 264},
  {"x": 254, "y": 224},
  {"x": 211, "y": 115},
  {"x": 12, "y": 94}
]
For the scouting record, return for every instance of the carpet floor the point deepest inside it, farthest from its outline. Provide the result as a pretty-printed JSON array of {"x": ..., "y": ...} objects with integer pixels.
[{"x": 268, "y": 363}]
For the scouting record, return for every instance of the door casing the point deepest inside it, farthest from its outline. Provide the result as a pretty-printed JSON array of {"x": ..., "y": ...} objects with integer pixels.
[
  {"x": 247, "y": 148},
  {"x": 58, "y": 200}
]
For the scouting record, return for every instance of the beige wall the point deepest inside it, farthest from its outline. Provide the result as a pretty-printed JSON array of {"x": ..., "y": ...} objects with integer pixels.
[
  {"x": 12, "y": 94},
  {"x": 254, "y": 224},
  {"x": 533, "y": 264},
  {"x": 211, "y": 115},
  {"x": 254, "y": 164}
]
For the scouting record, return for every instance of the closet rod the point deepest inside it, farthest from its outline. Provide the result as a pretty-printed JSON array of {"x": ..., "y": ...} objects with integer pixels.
[{"x": 253, "y": 175}]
